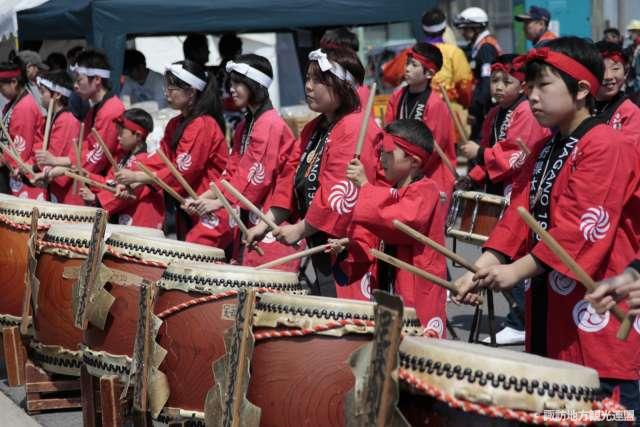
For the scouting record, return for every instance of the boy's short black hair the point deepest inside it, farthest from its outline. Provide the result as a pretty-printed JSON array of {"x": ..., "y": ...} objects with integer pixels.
[
  {"x": 95, "y": 59},
  {"x": 56, "y": 61},
  {"x": 132, "y": 59},
  {"x": 505, "y": 58},
  {"x": 258, "y": 93},
  {"x": 604, "y": 46},
  {"x": 579, "y": 50},
  {"x": 12, "y": 65},
  {"x": 140, "y": 117},
  {"x": 433, "y": 17},
  {"x": 612, "y": 30},
  {"x": 229, "y": 45},
  {"x": 60, "y": 78},
  {"x": 414, "y": 131},
  {"x": 430, "y": 51},
  {"x": 340, "y": 37}
]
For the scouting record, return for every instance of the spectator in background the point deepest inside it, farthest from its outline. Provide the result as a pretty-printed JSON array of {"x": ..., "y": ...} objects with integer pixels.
[
  {"x": 633, "y": 53},
  {"x": 196, "y": 48},
  {"x": 229, "y": 48},
  {"x": 536, "y": 25},
  {"x": 482, "y": 50},
  {"x": 33, "y": 65},
  {"x": 612, "y": 35},
  {"x": 140, "y": 83},
  {"x": 78, "y": 106},
  {"x": 56, "y": 62}
]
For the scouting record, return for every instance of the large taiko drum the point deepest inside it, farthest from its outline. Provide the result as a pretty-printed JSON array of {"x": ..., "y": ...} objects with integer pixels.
[
  {"x": 193, "y": 335},
  {"x": 473, "y": 215},
  {"x": 108, "y": 351},
  {"x": 56, "y": 339},
  {"x": 304, "y": 380},
  {"x": 452, "y": 383},
  {"x": 15, "y": 221}
]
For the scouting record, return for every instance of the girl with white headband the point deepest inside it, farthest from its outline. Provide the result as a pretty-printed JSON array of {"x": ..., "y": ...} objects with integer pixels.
[
  {"x": 22, "y": 118},
  {"x": 93, "y": 84},
  {"x": 194, "y": 140},
  {"x": 316, "y": 193},
  {"x": 56, "y": 87}
]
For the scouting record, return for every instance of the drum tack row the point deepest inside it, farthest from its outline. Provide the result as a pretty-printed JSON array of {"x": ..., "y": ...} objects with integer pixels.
[{"x": 185, "y": 338}]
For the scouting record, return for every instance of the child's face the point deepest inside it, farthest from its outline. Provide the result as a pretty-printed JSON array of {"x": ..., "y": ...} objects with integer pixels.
[
  {"x": 550, "y": 100},
  {"x": 505, "y": 88},
  {"x": 177, "y": 97},
  {"x": 45, "y": 96},
  {"x": 86, "y": 87},
  {"x": 396, "y": 164},
  {"x": 240, "y": 94},
  {"x": 128, "y": 140},
  {"x": 320, "y": 98},
  {"x": 9, "y": 89},
  {"x": 614, "y": 77},
  {"x": 414, "y": 73}
]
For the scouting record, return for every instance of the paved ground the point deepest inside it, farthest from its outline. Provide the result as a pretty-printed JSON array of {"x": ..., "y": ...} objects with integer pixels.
[{"x": 12, "y": 399}]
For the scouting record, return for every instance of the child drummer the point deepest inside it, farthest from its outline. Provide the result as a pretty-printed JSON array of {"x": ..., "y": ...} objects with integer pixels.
[
  {"x": 576, "y": 186},
  {"x": 413, "y": 199}
]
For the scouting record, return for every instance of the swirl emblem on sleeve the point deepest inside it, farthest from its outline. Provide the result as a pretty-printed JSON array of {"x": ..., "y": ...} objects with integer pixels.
[
  {"x": 183, "y": 161},
  {"x": 125, "y": 219},
  {"x": 395, "y": 194},
  {"x": 209, "y": 220},
  {"x": 594, "y": 224},
  {"x": 516, "y": 160},
  {"x": 434, "y": 328},
  {"x": 19, "y": 143},
  {"x": 586, "y": 318},
  {"x": 95, "y": 155},
  {"x": 343, "y": 197},
  {"x": 561, "y": 284},
  {"x": 256, "y": 174}
]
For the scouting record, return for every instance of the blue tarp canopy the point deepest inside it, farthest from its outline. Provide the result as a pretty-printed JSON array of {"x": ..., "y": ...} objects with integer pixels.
[{"x": 107, "y": 23}]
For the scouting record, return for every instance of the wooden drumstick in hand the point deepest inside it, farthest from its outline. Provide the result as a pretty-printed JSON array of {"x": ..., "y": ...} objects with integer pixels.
[
  {"x": 365, "y": 121},
  {"x": 301, "y": 254},
  {"x": 160, "y": 183},
  {"x": 177, "y": 175},
  {"x": 47, "y": 126},
  {"x": 523, "y": 146},
  {"x": 575, "y": 268},
  {"x": 248, "y": 205},
  {"x": 456, "y": 119},
  {"x": 105, "y": 149}
]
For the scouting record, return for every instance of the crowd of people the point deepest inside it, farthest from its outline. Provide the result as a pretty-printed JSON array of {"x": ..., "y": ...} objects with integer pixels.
[{"x": 555, "y": 130}]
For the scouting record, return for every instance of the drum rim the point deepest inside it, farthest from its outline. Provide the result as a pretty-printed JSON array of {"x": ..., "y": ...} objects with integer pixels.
[
  {"x": 20, "y": 210},
  {"x": 127, "y": 243},
  {"x": 62, "y": 233}
]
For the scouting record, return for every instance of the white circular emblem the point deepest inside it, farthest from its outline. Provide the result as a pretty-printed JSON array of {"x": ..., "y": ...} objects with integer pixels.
[
  {"x": 561, "y": 284},
  {"x": 594, "y": 224},
  {"x": 516, "y": 160},
  {"x": 636, "y": 324},
  {"x": 209, "y": 220},
  {"x": 256, "y": 174},
  {"x": 15, "y": 184},
  {"x": 95, "y": 155},
  {"x": 365, "y": 285},
  {"x": 183, "y": 161},
  {"x": 268, "y": 238},
  {"x": 527, "y": 284},
  {"x": 436, "y": 325},
  {"x": 19, "y": 143},
  {"x": 586, "y": 318},
  {"x": 125, "y": 219},
  {"x": 395, "y": 194},
  {"x": 343, "y": 197},
  {"x": 53, "y": 198}
]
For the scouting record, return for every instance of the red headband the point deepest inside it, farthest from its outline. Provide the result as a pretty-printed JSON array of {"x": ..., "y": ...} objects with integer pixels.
[
  {"x": 614, "y": 56},
  {"x": 426, "y": 62},
  {"x": 10, "y": 74},
  {"x": 390, "y": 142},
  {"x": 508, "y": 69},
  {"x": 563, "y": 63},
  {"x": 132, "y": 126}
]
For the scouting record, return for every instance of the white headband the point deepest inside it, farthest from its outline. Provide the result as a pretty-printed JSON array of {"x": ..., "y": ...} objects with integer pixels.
[
  {"x": 435, "y": 28},
  {"x": 91, "y": 72},
  {"x": 191, "y": 79},
  {"x": 53, "y": 87},
  {"x": 335, "y": 68},
  {"x": 250, "y": 72}
]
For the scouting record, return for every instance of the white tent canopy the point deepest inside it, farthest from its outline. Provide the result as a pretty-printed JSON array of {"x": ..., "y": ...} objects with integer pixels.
[{"x": 8, "y": 15}]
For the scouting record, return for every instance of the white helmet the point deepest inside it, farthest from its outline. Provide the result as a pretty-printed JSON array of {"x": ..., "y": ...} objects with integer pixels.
[{"x": 471, "y": 17}]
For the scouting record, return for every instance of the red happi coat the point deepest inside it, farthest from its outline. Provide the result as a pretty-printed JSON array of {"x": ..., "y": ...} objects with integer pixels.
[
  {"x": 64, "y": 133},
  {"x": 101, "y": 116},
  {"x": 626, "y": 118},
  {"x": 147, "y": 209},
  {"x": 200, "y": 156},
  {"x": 588, "y": 214},
  {"x": 23, "y": 120},
  {"x": 415, "y": 205},
  {"x": 437, "y": 118},
  {"x": 503, "y": 160}
]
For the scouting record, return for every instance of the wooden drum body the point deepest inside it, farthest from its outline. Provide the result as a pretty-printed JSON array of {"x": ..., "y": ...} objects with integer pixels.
[
  {"x": 299, "y": 380},
  {"x": 443, "y": 383},
  {"x": 108, "y": 351},
  {"x": 15, "y": 221},
  {"x": 197, "y": 305},
  {"x": 57, "y": 341},
  {"x": 473, "y": 215}
]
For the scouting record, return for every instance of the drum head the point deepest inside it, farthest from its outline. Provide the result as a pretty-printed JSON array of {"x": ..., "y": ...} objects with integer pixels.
[
  {"x": 79, "y": 235},
  {"x": 19, "y": 211},
  {"x": 499, "y": 377}
]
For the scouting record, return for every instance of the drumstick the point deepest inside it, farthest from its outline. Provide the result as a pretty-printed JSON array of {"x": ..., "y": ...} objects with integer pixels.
[
  {"x": 298, "y": 255},
  {"x": 77, "y": 148},
  {"x": 105, "y": 149},
  {"x": 176, "y": 174},
  {"x": 247, "y": 204},
  {"x": 454, "y": 116},
  {"x": 446, "y": 252},
  {"x": 522, "y": 146},
  {"x": 445, "y": 160},
  {"x": 89, "y": 181},
  {"x": 233, "y": 214},
  {"x": 47, "y": 126},
  {"x": 575, "y": 268},
  {"x": 160, "y": 183},
  {"x": 14, "y": 155},
  {"x": 365, "y": 121}
]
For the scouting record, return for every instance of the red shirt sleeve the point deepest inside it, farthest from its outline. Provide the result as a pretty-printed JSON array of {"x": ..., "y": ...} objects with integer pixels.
[
  {"x": 94, "y": 159},
  {"x": 26, "y": 119}
]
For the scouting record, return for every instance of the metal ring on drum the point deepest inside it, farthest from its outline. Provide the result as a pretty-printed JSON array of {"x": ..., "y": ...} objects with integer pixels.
[{"x": 473, "y": 216}]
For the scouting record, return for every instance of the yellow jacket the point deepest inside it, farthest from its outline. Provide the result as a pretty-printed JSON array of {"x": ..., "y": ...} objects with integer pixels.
[{"x": 455, "y": 74}]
